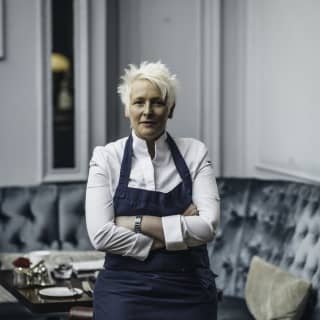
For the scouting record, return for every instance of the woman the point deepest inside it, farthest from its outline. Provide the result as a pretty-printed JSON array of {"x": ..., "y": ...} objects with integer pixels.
[{"x": 152, "y": 204}]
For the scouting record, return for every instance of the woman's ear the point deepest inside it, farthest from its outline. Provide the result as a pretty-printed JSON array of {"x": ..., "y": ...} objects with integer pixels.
[{"x": 170, "y": 116}]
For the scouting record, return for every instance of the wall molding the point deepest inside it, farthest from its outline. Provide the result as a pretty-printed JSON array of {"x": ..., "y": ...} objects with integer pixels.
[
  {"x": 302, "y": 176},
  {"x": 98, "y": 73},
  {"x": 234, "y": 81},
  {"x": 41, "y": 85},
  {"x": 255, "y": 163},
  {"x": 210, "y": 68},
  {"x": 81, "y": 45},
  {"x": 199, "y": 81},
  {"x": 2, "y": 30}
]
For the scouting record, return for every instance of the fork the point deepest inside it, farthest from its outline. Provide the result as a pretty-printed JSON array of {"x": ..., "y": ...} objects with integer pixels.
[{"x": 71, "y": 288}]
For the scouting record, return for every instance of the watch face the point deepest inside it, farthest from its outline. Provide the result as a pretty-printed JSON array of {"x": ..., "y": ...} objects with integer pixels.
[{"x": 137, "y": 224}]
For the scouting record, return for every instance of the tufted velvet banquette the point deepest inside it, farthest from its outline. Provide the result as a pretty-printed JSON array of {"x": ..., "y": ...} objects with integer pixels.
[
  {"x": 43, "y": 217},
  {"x": 276, "y": 220}
]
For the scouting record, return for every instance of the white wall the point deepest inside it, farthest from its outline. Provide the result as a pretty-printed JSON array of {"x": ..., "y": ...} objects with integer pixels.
[
  {"x": 19, "y": 109},
  {"x": 168, "y": 31},
  {"x": 98, "y": 53},
  {"x": 271, "y": 89},
  {"x": 183, "y": 34},
  {"x": 22, "y": 103},
  {"x": 270, "y": 76}
]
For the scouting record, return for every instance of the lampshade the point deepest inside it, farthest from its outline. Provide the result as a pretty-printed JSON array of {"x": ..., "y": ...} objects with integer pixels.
[{"x": 59, "y": 62}]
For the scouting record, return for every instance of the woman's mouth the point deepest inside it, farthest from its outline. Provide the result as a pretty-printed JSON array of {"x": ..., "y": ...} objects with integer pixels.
[{"x": 148, "y": 123}]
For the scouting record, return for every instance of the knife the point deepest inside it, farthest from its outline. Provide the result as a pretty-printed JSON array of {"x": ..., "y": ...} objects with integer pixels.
[{"x": 87, "y": 288}]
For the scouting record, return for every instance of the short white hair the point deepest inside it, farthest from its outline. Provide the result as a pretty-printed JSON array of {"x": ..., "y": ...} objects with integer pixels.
[{"x": 157, "y": 73}]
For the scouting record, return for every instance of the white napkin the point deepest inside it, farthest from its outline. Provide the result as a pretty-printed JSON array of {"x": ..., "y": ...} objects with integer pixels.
[{"x": 90, "y": 265}]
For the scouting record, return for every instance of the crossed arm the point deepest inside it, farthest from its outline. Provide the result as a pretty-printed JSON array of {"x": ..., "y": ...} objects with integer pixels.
[
  {"x": 197, "y": 225},
  {"x": 152, "y": 226}
]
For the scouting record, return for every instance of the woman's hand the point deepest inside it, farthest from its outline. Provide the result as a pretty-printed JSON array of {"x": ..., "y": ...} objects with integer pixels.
[
  {"x": 157, "y": 244},
  {"x": 125, "y": 221},
  {"x": 153, "y": 223},
  {"x": 192, "y": 210},
  {"x": 150, "y": 226}
]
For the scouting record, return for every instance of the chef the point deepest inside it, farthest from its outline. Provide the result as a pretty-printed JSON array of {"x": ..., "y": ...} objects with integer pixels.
[{"x": 152, "y": 205}]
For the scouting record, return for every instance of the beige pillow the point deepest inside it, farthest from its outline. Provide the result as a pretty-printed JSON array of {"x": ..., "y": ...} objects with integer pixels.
[{"x": 272, "y": 293}]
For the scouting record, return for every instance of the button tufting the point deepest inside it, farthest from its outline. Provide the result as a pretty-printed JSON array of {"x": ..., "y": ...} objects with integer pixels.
[
  {"x": 312, "y": 271},
  {"x": 27, "y": 213},
  {"x": 218, "y": 235},
  {"x": 303, "y": 232},
  {"x": 270, "y": 219},
  {"x": 253, "y": 214},
  {"x": 281, "y": 196},
  {"x": 4, "y": 219},
  {"x": 289, "y": 258},
  {"x": 16, "y": 240},
  {"x": 266, "y": 252},
  {"x": 305, "y": 192},
  {"x": 315, "y": 238},
  {"x": 254, "y": 247},
  {"x": 227, "y": 265},
  {"x": 242, "y": 269},
  {"x": 315, "y": 207},
  {"x": 235, "y": 216},
  {"x": 293, "y": 199},
  {"x": 304, "y": 203},
  {"x": 302, "y": 263},
  {"x": 283, "y": 225},
  {"x": 265, "y": 197}
]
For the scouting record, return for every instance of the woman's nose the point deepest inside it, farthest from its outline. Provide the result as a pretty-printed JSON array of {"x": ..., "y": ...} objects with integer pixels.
[{"x": 147, "y": 108}]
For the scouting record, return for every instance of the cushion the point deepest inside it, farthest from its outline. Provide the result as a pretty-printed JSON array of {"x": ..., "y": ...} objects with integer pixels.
[{"x": 272, "y": 293}]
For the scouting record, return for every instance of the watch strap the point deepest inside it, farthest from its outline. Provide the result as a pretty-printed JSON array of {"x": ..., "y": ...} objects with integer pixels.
[{"x": 137, "y": 224}]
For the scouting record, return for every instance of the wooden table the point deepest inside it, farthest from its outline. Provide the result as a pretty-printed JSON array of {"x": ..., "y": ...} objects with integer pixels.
[{"x": 34, "y": 302}]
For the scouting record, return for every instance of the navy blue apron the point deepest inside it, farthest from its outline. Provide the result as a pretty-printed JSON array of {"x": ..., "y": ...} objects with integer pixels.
[{"x": 175, "y": 285}]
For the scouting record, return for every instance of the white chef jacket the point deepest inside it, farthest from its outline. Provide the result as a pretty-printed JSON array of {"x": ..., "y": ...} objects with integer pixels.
[{"x": 157, "y": 174}]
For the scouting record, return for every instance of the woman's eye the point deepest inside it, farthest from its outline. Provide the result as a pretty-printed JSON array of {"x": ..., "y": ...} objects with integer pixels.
[
  {"x": 158, "y": 103},
  {"x": 155, "y": 103}
]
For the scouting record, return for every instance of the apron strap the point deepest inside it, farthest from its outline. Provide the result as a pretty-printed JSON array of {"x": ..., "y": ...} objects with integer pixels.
[
  {"x": 177, "y": 158},
  {"x": 180, "y": 163},
  {"x": 126, "y": 165}
]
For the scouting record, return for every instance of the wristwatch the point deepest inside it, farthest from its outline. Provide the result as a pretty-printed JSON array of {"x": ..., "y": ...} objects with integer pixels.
[{"x": 137, "y": 224}]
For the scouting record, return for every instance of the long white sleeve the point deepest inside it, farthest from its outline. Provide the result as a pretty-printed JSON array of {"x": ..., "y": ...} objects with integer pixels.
[
  {"x": 103, "y": 233},
  {"x": 180, "y": 231},
  {"x": 201, "y": 229}
]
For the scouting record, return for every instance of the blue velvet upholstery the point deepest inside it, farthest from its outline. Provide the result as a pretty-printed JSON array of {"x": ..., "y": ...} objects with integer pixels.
[
  {"x": 49, "y": 216},
  {"x": 276, "y": 220},
  {"x": 72, "y": 227},
  {"x": 223, "y": 252},
  {"x": 29, "y": 218}
]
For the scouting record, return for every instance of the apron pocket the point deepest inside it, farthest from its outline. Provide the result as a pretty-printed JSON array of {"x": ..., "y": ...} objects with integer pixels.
[{"x": 206, "y": 278}]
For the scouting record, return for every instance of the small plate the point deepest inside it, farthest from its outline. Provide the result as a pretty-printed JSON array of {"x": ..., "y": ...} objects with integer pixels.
[{"x": 60, "y": 292}]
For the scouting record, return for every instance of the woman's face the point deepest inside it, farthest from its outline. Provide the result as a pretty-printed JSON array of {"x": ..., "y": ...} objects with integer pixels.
[{"x": 147, "y": 111}]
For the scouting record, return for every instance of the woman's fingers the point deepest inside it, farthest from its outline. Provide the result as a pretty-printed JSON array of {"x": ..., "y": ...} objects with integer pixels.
[
  {"x": 191, "y": 211},
  {"x": 157, "y": 244}
]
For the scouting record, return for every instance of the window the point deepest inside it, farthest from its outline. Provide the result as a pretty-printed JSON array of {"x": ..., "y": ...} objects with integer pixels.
[{"x": 65, "y": 75}]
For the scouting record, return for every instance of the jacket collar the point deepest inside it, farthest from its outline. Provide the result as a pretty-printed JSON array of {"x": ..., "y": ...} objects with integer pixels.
[{"x": 140, "y": 149}]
